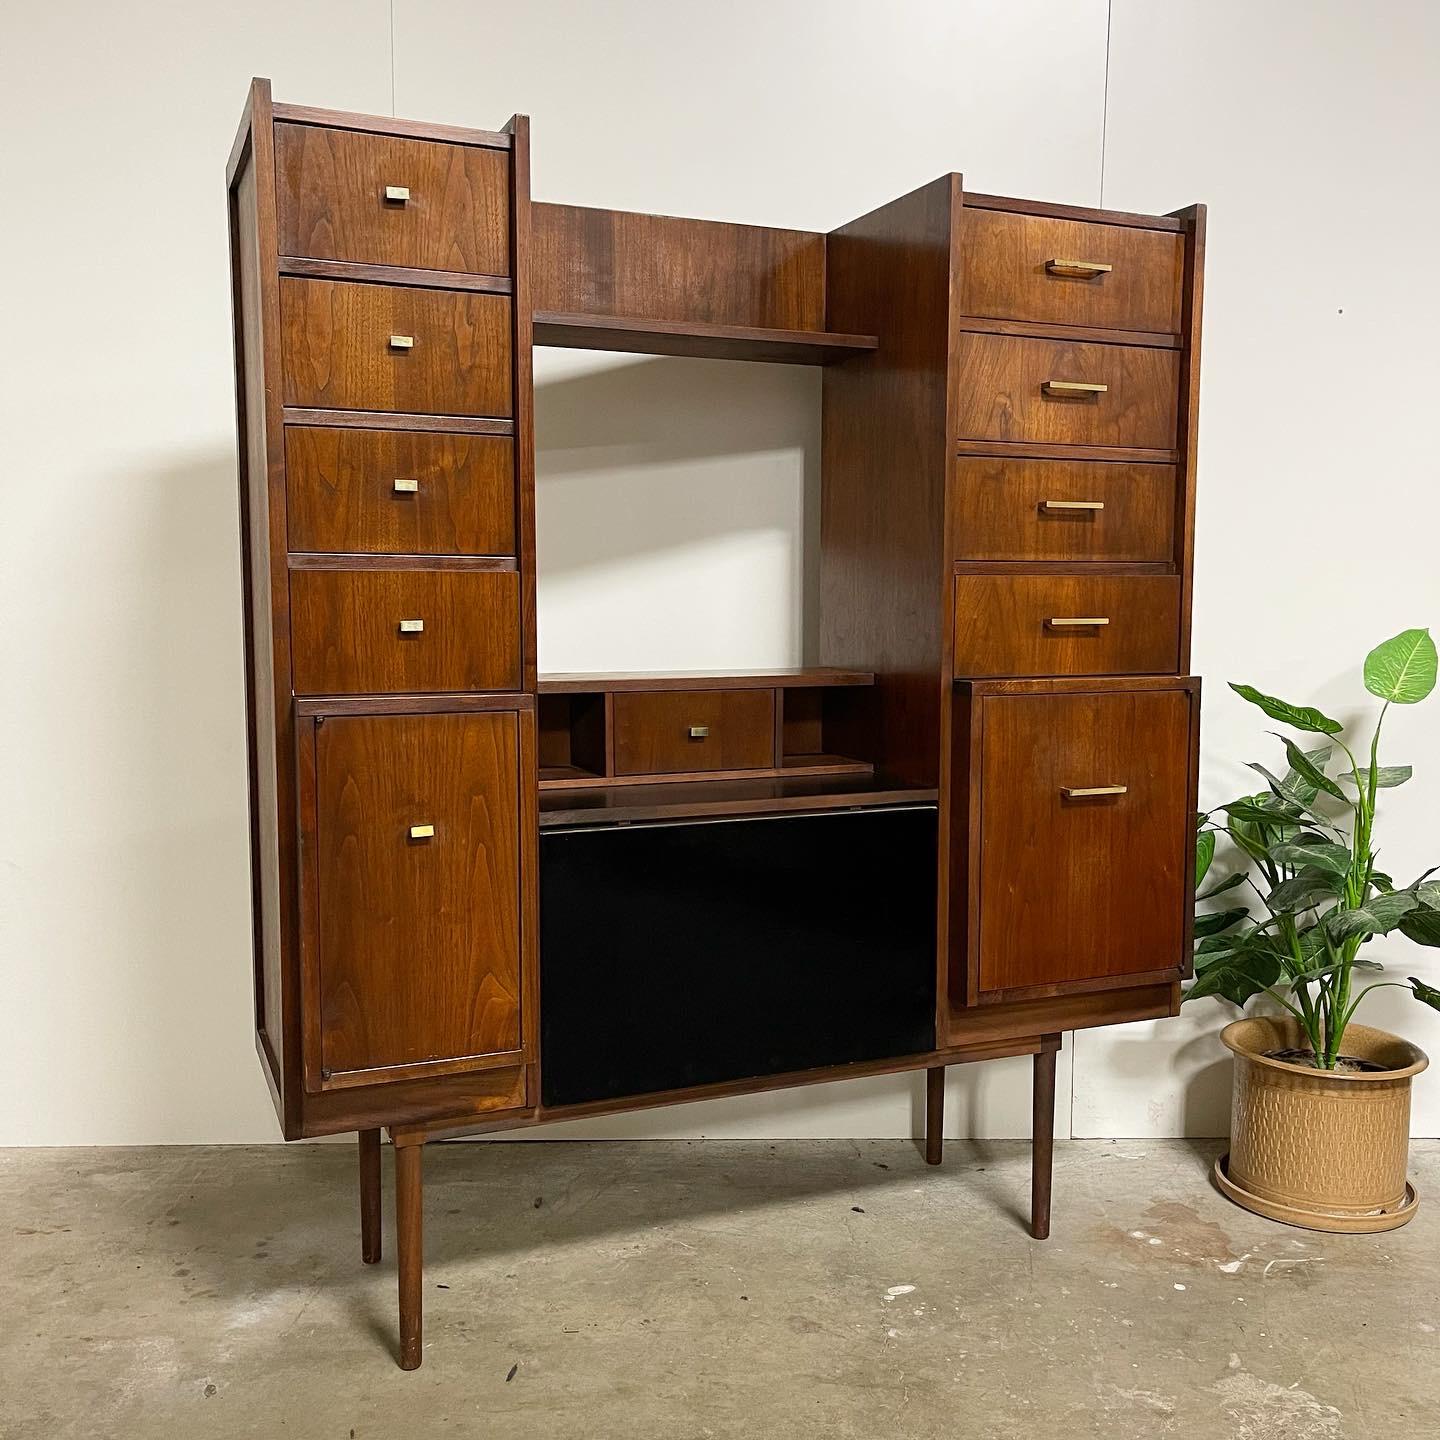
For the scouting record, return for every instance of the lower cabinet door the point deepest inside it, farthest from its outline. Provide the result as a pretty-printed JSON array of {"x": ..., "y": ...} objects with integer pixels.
[
  {"x": 1083, "y": 807},
  {"x": 413, "y": 891}
]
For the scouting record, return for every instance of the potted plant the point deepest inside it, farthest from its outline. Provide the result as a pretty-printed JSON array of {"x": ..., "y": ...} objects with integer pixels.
[{"x": 1320, "y": 1119}]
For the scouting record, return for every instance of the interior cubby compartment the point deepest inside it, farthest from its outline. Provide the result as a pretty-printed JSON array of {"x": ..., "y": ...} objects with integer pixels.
[
  {"x": 821, "y": 729},
  {"x": 571, "y": 738}
]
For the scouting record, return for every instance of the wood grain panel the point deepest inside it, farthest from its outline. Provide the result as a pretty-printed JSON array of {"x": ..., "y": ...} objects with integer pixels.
[
  {"x": 652, "y": 731},
  {"x": 999, "y": 394},
  {"x": 348, "y": 638},
  {"x": 658, "y": 267},
  {"x": 999, "y": 511},
  {"x": 419, "y": 939},
  {"x": 1082, "y": 889},
  {"x": 331, "y": 193},
  {"x": 1003, "y": 624},
  {"x": 341, "y": 492},
  {"x": 336, "y": 353},
  {"x": 1004, "y": 256}
]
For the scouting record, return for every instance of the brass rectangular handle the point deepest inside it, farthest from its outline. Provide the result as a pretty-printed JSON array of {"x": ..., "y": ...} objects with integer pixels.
[
  {"x": 1072, "y": 504},
  {"x": 422, "y": 832},
  {"x": 1076, "y": 622},
  {"x": 411, "y": 627},
  {"x": 406, "y": 487},
  {"x": 699, "y": 732},
  {"x": 1085, "y": 792},
  {"x": 402, "y": 342},
  {"x": 1079, "y": 269},
  {"x": 396, "y": 194},
  {"x": 1073, "y": 389}
]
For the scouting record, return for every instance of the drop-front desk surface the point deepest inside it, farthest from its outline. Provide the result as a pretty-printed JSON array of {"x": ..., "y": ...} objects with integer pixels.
[{"x": 486, "y": 898}]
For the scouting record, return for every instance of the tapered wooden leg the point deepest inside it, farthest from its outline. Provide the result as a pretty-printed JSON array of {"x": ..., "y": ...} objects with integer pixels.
[
  {"x": 409, "y": 1249},
  {"x": 370, "y": 1196},
  {"x": 934, "y": 1114},
  {"x": 1043, "y": 1144}
]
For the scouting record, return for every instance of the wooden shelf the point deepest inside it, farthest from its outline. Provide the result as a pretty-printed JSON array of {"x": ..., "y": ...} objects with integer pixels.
[
  {"x": 640, "y": 336},
  {"x": 586, "y": 682},
  {"x": 627, "y": 804}
]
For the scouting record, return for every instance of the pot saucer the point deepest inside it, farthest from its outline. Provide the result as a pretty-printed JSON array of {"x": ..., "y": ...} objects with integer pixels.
[{"x": 1331, "y": 1221}]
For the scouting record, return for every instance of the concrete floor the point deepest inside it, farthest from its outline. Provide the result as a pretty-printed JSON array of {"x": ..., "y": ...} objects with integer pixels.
[{"x": 704, "y": 1289}]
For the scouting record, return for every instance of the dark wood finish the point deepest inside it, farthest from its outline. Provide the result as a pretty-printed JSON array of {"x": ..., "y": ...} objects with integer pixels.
[
  {"x": 1042, "y": 1142},
  {"x": 1004, "y": 258},
  {"x": 478, "y": 1095},
  {"x": 336, "y": 352},
  {"x": 934, "y": 1114},
  {"x": 1038, "y": 450},
  {"x": 378, "y": 420},
  {"x": 1083, "y": 213},
  {"x": 1000, "y": 512},
  {"x": 416, "y": 951},
  {"x": 1075, "y": 1010},
  {"x": 340, "y": 490},
  {"x": 1043, "y": 330},
  {"x": 410, "y": 1249},
  {"x": 556, "y": 683},
  {"x": 431, "y": 564},
  {"x": 1003, "y": 624},
  {"x": 394, "y": 275},
  {"x": 653, "y": 731},
  {"x": 389, "y": 125},
  {"x": 370, "y": 1242},
  {"x": 687, "y": 338},
  {"x": 348, "y": 638},
  {"x": 1193, "y": 219},
  {"x": 657, "y": 267},
  {"x": 331, "y": 195}
]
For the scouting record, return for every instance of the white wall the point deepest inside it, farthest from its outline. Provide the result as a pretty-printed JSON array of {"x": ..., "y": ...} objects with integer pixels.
[{"x": 675, "y": 497}]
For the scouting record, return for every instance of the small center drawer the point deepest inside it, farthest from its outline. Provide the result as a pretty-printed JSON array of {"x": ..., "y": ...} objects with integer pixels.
[
  {"x": 1062, "y": 510},
  {"x": 350, "y": 346},
  {"x": 1020, "y": 625},
  {"x": 385, "y": 200},
  {"x": 1070, "y": 272},
  {"x": 1063, "y": 392},
  {"x": 676, "y": 732},
  {"x": 399, "y": 492},
  {"x": 402, "y": 631}
]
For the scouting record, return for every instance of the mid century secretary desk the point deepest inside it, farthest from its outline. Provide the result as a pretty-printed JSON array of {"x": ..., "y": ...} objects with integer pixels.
[{"x": 487, "y": 898}]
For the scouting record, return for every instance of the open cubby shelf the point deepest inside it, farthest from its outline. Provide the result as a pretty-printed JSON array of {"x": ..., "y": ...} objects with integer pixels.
[{"x": 639, "y": 335}]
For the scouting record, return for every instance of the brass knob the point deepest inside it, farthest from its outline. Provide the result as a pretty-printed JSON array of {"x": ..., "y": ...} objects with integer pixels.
[
  {"x": 396, "y": 194},
  {"x": 406, "y": 487},
  {"x": 1072, "y": 504},
  {"x": 411, "y": 627},
  {"x": 1076, "y": 622},
  {"x": 1073, "y": 389},
  {"x": 422, "y": 832},
  {"x": 1079, "y": 269},
  {"x": 699, "y": 732},
  {"x": 402, "y": 342},
  {"x": 1085, "y": 792}
]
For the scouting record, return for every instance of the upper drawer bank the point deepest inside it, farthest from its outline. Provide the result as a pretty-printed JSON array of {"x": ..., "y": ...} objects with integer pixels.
[
  {"x": 1070, "y": 272},
  {"x": 1065, "y": 392},
  {"x": 385, "y": 200},
  {"x": 348, "y": 346}
]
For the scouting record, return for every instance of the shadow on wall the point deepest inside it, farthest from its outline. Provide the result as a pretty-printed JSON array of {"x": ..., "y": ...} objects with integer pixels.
[{"x": 678, "y": 511}]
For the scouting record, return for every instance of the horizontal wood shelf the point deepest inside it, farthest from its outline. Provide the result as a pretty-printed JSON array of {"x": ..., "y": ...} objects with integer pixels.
[
  {"x": 586, "y": 682},
  {"x": 639, "y": 336}
]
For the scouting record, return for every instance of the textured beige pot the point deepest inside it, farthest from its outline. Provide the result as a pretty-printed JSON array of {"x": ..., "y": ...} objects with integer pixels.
[{"x": 1312, "y": 1148}]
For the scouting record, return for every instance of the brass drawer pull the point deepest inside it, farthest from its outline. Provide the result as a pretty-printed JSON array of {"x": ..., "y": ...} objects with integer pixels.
[
  {"x": 402, "y": 342},
  {"x": 1072, "y": 504},
  {"x": 396, "y": 194},
  {"x": 406, "y": 487},
  {"x": 1085, "y": 792},
  {"x": 1073, "y": 389},
  {"x": 1080, "y": 269},
  {"x": 1076, "y": 622},
  {"x": 422, "y": 832},
  {"x": 411, "y": 627},
  {"x": 699, "y": 732}
]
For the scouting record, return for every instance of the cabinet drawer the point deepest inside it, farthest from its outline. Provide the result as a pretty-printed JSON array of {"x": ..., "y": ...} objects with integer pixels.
[
  {"x": 404, "y": 631},
  {"x": 342, "y": 348},
  {"x": 1025, "y": 624},
  {"x": 384, "y": 200},
  {"x": 1005, "y": 392},
  {"x": 1013, "y": 268},
  {"x": 412, "y": 838},
  {"x": 1062, "y": 510},
  {"x": 399, "y": 492},
  {"x": 1076, "y": 887},
  {"x": 677, "y": 732}
]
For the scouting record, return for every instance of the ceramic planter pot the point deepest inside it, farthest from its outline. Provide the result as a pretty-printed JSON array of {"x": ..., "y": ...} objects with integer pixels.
[{"x": 1325, "y": 1150}]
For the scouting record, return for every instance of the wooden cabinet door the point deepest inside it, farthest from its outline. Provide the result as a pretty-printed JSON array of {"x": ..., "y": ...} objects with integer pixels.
[
  {"x": 1081, "y": 888},
  {"x": 414, "y": 889}
]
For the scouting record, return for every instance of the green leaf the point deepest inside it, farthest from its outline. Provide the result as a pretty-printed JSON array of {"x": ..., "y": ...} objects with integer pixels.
[
  {"x": 1302, "y": 891},
  {"x": 1252, "y": 847},
  {"x": 1422, "y": 926},
  {"x": 1213, "y": 924},
  {"x": 1381, "y": 881},
  {"x": 1305, "y": 767},
  {"x": 1204, "y": 854},
  {"x": 1428, "y": 894},
  {"x": 1333, "y": 859},
  {"x": 1253, "y": 814},
  {"x": 1428, "y": 993},
  {"x": 1237, "y": 974},
  {"x": 1299, "y": 717},
  {"x": 1377, "y": 916},
  {"x": 1228, "y": 883},
  {"x": 1402, "y": 669},
  {"x": 1387, "y": 777}
]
